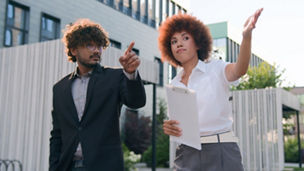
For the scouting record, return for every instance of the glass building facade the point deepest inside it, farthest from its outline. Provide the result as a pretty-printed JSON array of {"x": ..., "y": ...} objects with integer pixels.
[
  {"x": 150, "y": 12},
  {"x": 225, "y": 47}
]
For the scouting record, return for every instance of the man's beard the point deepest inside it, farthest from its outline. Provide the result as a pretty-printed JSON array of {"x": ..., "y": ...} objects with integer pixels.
[{"x": 88, "y": 65}]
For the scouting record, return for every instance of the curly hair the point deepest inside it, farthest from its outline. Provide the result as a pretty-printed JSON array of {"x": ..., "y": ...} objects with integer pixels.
[
  {"x": 191, "y": 25},
  {"x": 80, "y": 33}
]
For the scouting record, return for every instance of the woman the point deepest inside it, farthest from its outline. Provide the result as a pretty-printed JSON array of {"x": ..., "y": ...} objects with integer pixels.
[{"x": 186, "y": 42}]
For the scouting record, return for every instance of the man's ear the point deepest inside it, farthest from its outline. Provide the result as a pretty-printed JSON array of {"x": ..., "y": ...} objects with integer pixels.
[{"x": 73, "y": 51}]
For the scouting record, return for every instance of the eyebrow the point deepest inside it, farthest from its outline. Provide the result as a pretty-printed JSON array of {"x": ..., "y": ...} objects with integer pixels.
[
  {"x": 183, "y": 34},
  {"x": 173, "y": 37}
]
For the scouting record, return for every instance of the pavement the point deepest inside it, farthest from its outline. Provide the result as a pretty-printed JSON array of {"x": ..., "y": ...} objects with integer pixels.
[
  {"x": 141, "y": 168},
  {"x": 292, "y": 164},
  {"x": 157, "y": 169}
]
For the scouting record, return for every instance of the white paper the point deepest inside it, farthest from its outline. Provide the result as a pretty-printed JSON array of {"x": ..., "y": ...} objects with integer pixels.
[{"x": 182, "y": 106}]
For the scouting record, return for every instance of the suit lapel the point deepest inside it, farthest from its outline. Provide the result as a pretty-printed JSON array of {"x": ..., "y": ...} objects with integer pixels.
[
  {"x": 90, "y": 91},
  {"x": 70, "y": 101}
]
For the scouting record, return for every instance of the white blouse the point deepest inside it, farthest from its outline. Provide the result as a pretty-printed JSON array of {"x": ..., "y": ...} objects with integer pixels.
[{"x": 209, "y": 82}]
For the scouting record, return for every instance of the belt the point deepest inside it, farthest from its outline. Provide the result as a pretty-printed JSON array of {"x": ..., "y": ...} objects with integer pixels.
[
  {"x": 78, "y": 164},
  {"x": 218, "y": 138}
]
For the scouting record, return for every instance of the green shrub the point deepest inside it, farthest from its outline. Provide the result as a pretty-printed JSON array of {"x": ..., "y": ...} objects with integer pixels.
[
  {"x": 162, "y": 152},
  {"x": 130, "y": 158},
  {"x": 137, "y": 132},
  {"x": 291, "y": 150},
  {"x": 162, "y": 141}
]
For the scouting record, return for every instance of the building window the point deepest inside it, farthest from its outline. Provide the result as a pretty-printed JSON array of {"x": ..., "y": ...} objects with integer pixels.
[
  {"x": 221, "y": 48},
  {"x": 136, "y": 51},
  {"x": 173, "y": 8},
  {"x": 118, "y": 4},
  {"x": 17, "y": 25},
  {"x": 126, "y": 6},
  {"x": 167, "y": 8},
  {"x": 114, "y": 43},
  {"x": 236, "y": 54},
  {"x": 171, "y": 73},
  {"x": 109, "y": 3},
  {"x": 150, "y": 12},
  {"x": 136, "y": 9},
  {"x": 159, "y": 12},
  {"x": 230, "y": 58},
  {"x": 161, "y": 72},
  {"x": 170, "y": 9},
  {"x": 50, "y": 28},
  {"x": 144, "y": 11},
  {"x": 165, "y": 11}
]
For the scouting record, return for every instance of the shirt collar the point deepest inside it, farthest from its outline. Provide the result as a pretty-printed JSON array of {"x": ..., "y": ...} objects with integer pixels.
[
  {"x": 75, "y": 74},
  {"x": 200, "y": 66}
]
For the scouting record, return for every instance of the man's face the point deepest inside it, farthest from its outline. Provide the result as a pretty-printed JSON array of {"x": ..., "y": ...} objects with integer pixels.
[{"x": 88, "y": 55}]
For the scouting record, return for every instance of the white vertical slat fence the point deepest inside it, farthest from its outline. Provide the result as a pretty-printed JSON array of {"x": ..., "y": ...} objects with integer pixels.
[
  {"x": 257, "y": 116},
  {"x": 27, "y": 74},
  {"x": 258, "y": 124}
]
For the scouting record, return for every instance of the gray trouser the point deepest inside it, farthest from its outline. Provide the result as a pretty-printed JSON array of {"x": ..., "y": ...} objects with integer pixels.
[{"x": 212, "y": 157}]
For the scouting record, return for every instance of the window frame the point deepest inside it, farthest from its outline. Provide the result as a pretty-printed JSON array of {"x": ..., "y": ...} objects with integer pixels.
[
  {"x": 114, "y": 42},
  {"x": 26, "y": 20},
  {"x": 57, "y": 20}
]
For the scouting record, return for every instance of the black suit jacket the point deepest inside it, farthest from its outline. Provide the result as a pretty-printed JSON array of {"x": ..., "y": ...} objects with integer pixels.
[{"x": 98, "y": 130}]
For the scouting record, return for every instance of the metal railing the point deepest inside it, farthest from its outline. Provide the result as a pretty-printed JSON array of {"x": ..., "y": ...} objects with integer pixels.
[{"x": 10, "y": 165}]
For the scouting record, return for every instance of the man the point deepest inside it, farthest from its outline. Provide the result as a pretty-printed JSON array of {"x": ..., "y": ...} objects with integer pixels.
[{"x": 87, "y": 102}]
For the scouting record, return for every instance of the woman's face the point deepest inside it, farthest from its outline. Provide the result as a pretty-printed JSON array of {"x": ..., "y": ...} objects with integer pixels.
[{"x": 183, "y": 47}]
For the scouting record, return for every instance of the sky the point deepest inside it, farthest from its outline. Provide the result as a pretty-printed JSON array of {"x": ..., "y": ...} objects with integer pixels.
[{"x": 279, "y": 33}]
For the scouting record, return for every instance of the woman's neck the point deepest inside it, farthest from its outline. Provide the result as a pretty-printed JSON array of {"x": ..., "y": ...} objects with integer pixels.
[{"x": 188, "y": 66}]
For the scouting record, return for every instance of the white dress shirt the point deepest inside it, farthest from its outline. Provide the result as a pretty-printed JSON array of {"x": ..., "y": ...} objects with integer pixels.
[{"x": 209, "y": 81}]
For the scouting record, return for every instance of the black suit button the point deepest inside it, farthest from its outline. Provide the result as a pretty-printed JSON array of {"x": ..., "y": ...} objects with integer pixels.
[{"x": 79, "y": 128}]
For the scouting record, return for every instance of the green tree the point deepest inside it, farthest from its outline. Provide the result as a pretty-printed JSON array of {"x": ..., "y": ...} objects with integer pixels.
[{"x": 262, "y": 76}]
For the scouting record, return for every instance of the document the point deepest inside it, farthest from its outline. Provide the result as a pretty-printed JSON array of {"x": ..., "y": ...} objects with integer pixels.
[{"x": 182, "y": 106}]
